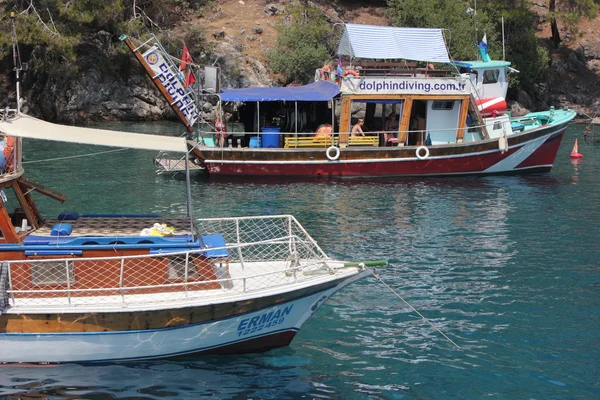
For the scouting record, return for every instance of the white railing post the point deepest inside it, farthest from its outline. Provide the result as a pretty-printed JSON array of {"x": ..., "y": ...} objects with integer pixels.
[
  {"x": 185, "y": 281},
  {"x": 68, "y": 282},
  {"x": 237, "y": 240},
  {"x": 121, "y": 280}
]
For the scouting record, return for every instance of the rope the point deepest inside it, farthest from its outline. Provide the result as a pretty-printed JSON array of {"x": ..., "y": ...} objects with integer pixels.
[
  {"x": 77, "y": 156},
  {"x": 406, "y": 302}
]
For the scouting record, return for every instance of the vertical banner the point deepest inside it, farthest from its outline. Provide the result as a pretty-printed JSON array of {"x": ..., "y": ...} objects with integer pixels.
[
  {"x": 167, "y": 75},
  {"x": 169, "y": 80}
]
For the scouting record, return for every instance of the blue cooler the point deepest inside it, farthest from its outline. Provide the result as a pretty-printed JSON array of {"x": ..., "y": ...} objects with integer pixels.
[
  {"x": 254, "y": 141},
  {"x": 271, "y": 136}
]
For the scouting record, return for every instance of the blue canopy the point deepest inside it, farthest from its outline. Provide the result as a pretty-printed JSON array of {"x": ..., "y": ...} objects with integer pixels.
[{"x": 316, "y": 91}]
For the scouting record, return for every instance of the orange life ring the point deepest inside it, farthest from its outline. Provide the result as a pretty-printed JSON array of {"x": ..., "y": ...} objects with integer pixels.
[{"x": 350, "y": 72}]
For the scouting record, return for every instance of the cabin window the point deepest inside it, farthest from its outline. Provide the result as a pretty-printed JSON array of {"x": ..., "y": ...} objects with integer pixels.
[
  {"x": 54, "y": 272},
  {"x": 442, "y": 105},
  {"x": 491, "y": 76}
]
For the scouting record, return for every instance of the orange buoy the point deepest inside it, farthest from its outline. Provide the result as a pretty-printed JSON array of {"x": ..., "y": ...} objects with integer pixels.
[{"x": 575, "y": 152}]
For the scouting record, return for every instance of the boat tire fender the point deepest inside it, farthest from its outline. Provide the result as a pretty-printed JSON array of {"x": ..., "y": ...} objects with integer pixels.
[
  {"x": 335, "y": 155},
  {"x": 419, "y": 151}
]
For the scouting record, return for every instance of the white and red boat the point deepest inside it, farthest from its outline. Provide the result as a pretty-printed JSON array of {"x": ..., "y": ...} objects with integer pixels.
[{"x": 447, "y": 122}]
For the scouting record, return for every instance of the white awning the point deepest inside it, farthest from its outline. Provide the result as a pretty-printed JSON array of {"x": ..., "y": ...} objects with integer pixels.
[
  {"x": 29, "y": 127},
  {"x": 385, "y": 42}
]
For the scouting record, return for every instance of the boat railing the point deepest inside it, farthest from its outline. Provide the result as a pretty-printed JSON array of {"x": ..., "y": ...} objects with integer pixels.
[
  {"x": 384, "y": 137},
  {"x": 373, "y": 71},
  {"x": 256, "y": 254}
]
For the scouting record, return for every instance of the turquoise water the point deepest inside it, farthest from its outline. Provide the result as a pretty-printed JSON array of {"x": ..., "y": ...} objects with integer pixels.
[{"x": 507, "y": 267}]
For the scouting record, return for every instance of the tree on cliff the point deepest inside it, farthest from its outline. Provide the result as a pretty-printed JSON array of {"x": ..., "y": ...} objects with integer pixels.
[
  {"x": 464, "y": 26},
  {"x": 304, "y": 43},
  {"x": 570, "y": 13}
]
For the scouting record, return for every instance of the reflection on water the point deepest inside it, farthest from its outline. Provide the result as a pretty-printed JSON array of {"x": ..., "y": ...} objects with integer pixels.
[{"x": 506, "y": 266}]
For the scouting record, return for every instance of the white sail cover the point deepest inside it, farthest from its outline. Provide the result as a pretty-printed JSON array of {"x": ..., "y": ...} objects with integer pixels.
[
  {"x": 29, "y": 127},
  {"x": 385, "y": 42}
]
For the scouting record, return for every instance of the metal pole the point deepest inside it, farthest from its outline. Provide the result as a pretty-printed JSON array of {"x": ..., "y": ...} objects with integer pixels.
[
  {"x": 16, "y": 64},
  {"x": 503, "y": 49},
  {"x": 188, "y": 189}
]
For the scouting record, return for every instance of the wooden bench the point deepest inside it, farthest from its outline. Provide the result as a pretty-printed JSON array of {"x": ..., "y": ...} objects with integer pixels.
[
  {"x": 363, "y": 141},
  {"x": 308, "y": 141}
]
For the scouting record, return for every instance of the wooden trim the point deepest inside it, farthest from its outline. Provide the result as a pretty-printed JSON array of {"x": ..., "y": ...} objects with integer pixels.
[
  {"x": 462, "y": 121},
  {"x": 404, "y": 97},
  {"x": 8, "y": 230},
  {"x": 122, "y": 321},
  {"x": 26, "y": 206},
  {"x": 345, "y": 119},
  {"x": 404, "y": 126},
  {"x": 43, "y": 189}
]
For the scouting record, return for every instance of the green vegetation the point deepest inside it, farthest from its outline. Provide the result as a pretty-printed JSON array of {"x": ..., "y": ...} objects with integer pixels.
[
  {"x": 305, "y": 41},
  {"x": 53, "y": 34}
]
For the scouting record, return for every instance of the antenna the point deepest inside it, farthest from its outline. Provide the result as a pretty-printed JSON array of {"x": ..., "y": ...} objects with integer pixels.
[{"x": 16, "y": 59}]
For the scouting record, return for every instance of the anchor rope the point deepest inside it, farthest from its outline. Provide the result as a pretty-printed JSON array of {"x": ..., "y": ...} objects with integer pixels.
[
  {"x": 77, "y": 156},
  {"x": 414, "y": 309}
]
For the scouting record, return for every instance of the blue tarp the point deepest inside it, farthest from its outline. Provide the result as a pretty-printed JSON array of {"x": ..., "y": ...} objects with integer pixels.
[{"x": 316, "y": 91}]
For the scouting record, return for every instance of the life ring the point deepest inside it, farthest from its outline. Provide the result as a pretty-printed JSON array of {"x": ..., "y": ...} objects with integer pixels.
[
  {"x": 350, "y": 72},
  {"x": 418, "y": 153},
  {"x": 335, "y": 155}
]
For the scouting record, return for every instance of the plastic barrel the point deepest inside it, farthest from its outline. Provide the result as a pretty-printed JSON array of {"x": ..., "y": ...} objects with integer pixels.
[
  {"x": 254, "y": 141},
  {"x": 271, "y": 137}
]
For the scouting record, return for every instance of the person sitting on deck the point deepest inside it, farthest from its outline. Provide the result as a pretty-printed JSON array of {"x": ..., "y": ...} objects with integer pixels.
[
  {"x": 357, "y": 129},
  {"x": 391, "y": 127},
  {"x": 324, "y": 130}
]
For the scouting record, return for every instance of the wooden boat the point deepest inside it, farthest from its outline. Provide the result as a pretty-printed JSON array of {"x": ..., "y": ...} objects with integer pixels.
[
  {"x": 95, "y": 288},
  {"x": 446, "y": 122}
]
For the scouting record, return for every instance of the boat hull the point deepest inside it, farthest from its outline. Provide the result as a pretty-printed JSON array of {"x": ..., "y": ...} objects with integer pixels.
[
  {"x": 261, "y": 329},
  {"x": 532, "y": 151}
]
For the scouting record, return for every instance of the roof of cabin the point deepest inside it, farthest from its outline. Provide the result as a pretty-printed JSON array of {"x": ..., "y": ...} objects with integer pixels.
[{"x": 481, "y": 64}]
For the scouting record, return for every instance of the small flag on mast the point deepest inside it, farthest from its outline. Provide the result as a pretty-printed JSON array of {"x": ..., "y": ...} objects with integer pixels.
[
  {"x": 186, "y": 58},
  {"x": 483, "y": 49},
  {"x": 189, "y": 78}
]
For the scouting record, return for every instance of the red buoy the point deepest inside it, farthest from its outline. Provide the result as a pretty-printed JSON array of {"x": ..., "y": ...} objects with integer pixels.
[{"x": 575, "y": 152}]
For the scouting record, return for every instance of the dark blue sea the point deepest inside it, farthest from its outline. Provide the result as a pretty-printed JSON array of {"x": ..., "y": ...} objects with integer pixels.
[{"x": 508, "y": 267}]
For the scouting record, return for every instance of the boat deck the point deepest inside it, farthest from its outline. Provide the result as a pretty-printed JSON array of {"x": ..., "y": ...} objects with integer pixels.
[{"x": 113, "y": 226}]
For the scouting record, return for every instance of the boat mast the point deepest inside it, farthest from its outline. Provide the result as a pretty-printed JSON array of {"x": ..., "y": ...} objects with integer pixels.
[{"x": 16, "y": 60}]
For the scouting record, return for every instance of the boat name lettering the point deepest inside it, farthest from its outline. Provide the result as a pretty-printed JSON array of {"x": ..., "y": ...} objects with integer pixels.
[
  {"x": 175, "y": 89},
  {"x": 263, "y": 321}
]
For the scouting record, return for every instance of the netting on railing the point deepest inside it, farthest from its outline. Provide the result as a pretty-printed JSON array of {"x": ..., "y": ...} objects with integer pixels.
[{"x": 257, "y": 253}]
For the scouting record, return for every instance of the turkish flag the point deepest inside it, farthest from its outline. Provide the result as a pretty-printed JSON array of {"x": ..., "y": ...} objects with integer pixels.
[
  {"x": 189, "y": 78},
  {"x": 186, "y": 58}
]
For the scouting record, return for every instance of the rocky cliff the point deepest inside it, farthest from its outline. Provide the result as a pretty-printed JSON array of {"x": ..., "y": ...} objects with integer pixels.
[{"x": 239, "y": 33}]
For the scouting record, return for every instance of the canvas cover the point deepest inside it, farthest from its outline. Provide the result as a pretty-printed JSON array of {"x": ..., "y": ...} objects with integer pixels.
[
  {"x": 316, "y": 91},
  {"x": 29, "y": 127},
  {"x": 391, "y": 43}
]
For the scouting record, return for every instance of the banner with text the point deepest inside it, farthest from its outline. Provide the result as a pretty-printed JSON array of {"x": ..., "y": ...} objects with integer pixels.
[
  {"x": 406, "y": 85},
  {"x": 169, "y": 76}
]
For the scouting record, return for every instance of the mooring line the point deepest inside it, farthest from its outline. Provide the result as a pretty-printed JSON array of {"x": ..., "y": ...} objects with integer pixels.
[
  {"x": 77, "y": 156},
  {"x": 414, "y": 309}
]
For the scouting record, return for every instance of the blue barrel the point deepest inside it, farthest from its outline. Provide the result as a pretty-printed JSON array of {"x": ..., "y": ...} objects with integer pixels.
[
  {"x": 254, "y": 141},
  {"x": 271, "y": 136}
]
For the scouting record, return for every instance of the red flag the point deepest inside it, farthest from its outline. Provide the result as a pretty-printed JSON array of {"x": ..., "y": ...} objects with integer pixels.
[
  {"x": 186, "y": 58},
  {"x": 189, "y": 78}
]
